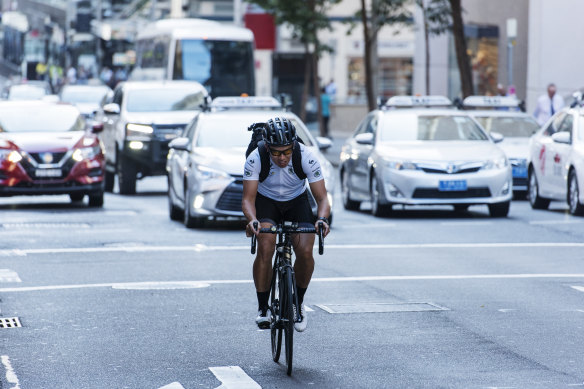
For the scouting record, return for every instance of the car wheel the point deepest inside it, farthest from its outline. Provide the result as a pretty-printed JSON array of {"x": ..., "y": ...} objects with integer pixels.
[
  {"x": 96, "y": 200},
  {"x": 76, "y": 197},
  {"x": 127, "y": 176},
  {"x": 576, "y": 208},
  {"x": 109, "y": 181},
  {"x": 174, "y": 212},
  {"x": 349, "y": 204},
  {"x": 535, "y": 200},
  {"x": 378, "y": 209},
  {"x": 189, "y": 220},
  {"x": 499, "y": 209}
]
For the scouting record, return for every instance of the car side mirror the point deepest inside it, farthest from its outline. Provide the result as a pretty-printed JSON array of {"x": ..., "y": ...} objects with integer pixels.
[
  {"x": 497, "y": 137},
  {"x": 111, "y": 109},
  {"x": 182, "y": 144},
  {"x": 562, "y": 137},
  {"x": 364, "y": 139},
  {"x": 323, "y": 143}
]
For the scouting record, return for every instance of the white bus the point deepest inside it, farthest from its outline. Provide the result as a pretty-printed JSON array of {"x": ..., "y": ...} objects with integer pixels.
[{"x": 216, "y": 55}]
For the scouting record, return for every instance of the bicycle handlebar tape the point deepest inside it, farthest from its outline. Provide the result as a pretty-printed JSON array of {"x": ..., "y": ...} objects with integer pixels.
[{"x": 320, "y": 239}]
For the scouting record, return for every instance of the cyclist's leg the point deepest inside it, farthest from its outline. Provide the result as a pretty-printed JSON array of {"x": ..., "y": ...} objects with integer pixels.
[{"x": 300, "y": 211}]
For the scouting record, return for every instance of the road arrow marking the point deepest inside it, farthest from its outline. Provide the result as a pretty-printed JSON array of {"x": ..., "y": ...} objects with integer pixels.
[
  {"x": 233, "y": 377},
  {"x": 7, "y": 275},
  {"x": 174, "y": 385},
  {"x": 580, "y": 288}
]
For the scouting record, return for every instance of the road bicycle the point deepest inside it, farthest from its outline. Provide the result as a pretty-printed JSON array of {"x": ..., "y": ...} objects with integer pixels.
[{"x": 283, "y": 296}]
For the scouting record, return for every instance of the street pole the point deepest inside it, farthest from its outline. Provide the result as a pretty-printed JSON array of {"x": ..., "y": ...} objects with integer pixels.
[{"x": 511, "y": 36}]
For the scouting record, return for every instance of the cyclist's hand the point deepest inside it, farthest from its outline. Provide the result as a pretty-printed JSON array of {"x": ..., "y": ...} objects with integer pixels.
[
  {"x": 325, "y": 226},
  {"x": 249, "y": 230}
]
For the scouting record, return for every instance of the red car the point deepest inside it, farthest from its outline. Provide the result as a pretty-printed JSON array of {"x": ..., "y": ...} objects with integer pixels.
[{"x": 46, "y": 149}]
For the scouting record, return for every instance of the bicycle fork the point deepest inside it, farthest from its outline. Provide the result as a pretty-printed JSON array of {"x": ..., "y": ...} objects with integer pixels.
[{"x": 285, "y": 266}]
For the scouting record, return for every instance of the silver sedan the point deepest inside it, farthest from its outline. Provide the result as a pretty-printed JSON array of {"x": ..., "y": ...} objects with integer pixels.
[{"x": 424, "y": 156}]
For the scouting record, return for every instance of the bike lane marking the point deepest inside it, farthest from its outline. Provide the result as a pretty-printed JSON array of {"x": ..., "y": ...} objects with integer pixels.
[
  {"x": 233, "y": 377},
  {"x": 7, "y": 275},
  {"x": 203, "y": 283}
]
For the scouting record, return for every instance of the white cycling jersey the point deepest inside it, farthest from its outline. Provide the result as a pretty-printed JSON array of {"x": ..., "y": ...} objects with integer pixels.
[{"x": 282, "y": 184}]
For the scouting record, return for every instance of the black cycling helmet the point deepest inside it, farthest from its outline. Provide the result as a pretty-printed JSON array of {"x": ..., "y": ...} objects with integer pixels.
[{"x": 279, "y": 132}]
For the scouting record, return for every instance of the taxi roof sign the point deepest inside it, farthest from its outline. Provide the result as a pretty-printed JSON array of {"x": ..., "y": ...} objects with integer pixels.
[
  {"x": 418, "y": 101},
  {"x": 491, "y": 102},
  {"x": 245, "y": 102}
]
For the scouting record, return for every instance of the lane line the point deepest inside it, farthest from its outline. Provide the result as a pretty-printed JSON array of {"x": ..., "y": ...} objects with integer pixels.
[
  {"x": 202, "y": 247},
  {"x": 10, "y": 374},
  {"x": 579, "y": 288},
  {"x": 202, "y": 283},
  {"x": 542, "y": 222},
  {"x": 233, "y": 377}
]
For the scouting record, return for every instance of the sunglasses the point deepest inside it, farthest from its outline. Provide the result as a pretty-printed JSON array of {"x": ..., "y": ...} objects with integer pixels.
[{"x": 277, "y": 153}]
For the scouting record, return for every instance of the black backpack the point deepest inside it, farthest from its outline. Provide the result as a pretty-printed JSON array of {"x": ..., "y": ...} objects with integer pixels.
[{"x": 257, "y": 141}]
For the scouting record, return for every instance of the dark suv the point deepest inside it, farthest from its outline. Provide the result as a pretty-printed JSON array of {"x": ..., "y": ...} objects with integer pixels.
[{"x": 140, "y": 121}]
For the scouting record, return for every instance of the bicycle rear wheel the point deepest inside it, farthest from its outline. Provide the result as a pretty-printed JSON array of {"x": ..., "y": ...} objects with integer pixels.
[
  {"x": 288, "y": 316},
  {"x": 275, "y": 327}
]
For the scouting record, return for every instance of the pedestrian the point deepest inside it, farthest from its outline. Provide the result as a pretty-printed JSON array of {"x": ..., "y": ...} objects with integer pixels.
[
  {"x": 548, "y": 104},
  {"x": 331, "y": 89},
  {"x": 325, "y": 100}
]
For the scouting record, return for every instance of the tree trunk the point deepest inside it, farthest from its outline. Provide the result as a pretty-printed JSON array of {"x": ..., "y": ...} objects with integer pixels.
[
  {"x": 371, "y": 101},
  {"x": 306, "y": 86},
  {"x": 461, "y": 53},
  {"x": 427, "y": 49},
  {"x": 316, "y": 90}
]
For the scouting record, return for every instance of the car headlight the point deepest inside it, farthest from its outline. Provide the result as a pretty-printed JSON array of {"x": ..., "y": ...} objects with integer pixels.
[
  {"x": 12, "y": 156},
  {"x": 400, "y": 165},
  {"x": 86, "y": 153},
  {"x": 207, "y": 173},
  {"x": 497, "y": 163},
  {"x": 141, "y": 131}
]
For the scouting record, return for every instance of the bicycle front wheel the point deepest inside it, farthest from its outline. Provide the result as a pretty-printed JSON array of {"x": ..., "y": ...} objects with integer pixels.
[
  {"x": 275, "y": 327},
  {"x": 288, "y": 316}
]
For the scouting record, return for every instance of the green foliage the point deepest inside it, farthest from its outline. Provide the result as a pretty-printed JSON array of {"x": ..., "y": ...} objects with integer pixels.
[
  {"x": 438, "y": 15},
  {"x": 305, "y": 17}
]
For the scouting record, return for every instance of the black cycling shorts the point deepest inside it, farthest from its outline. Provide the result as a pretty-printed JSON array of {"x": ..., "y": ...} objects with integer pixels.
[{"x": 296, "y": 210}]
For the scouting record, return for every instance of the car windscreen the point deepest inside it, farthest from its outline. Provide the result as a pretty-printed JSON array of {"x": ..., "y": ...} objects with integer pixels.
[
  {"x": 226, "y": 132},
  {"x": 509, "y": 127},
  {"x": 83, "y": 95},
  {"x": 26, "y": 92},
  {"x": 411, "y": 127},
  {"x": 51, "y": 118},
  {"x": 164, "y": 100}
]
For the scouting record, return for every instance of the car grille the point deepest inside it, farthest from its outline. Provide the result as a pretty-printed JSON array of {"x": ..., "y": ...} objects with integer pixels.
[
  {"x": 432, "y": 193},
  {"x": 55, "y": 157},
  {"x": 230, "y": 200},
  {"x": 520, "y": 181},
  {"x": 31, "y": 169},
  {"x": 444, "y": 171}
]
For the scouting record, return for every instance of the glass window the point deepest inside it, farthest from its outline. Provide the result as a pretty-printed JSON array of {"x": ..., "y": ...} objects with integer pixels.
[
  {"x": 84, "y": 94},
  {"x": 566, "y": 125},
  {"x": 164, "y": 100},
  {"x": 409, "y": 127},
  {"x": 510, "y": 127},
  {"x": 395, "y": 78},
  {"x": 45, "y": 119},
  {"x": 552, "y": 128}
]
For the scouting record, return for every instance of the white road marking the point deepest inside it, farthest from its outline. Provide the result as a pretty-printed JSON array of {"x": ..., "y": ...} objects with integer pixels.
[
  {"x": 466, "y": 223},
  {"x": 567, "y": 221},
  {"x": 175, "y": 284},
  {"x": 201, "y": 247},
  {"x": 580, "y": 288},
  {"x": 7, "y": 275},
  {"x": 10, "y": 374},
  {"x": 161, "y": 285},
  {"x": 173, "y": 385},
  {"x": 505, "y": 310},
  {"x": 233, "y": 377}
]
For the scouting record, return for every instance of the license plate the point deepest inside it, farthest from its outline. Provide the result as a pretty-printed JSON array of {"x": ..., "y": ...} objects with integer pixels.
[
  {"x": 48, "y": 173},
  {"x": 452, "y": 185},
  {"x": 519, "y": 171}
]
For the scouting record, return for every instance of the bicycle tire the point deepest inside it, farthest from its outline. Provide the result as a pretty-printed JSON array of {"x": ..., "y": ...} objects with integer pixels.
[
  {"x": 288, "y": 316},
  {"x": 275, "y": 327}
]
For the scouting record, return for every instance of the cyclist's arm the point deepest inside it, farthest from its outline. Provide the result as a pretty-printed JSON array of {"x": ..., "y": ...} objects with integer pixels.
[
  {"x": 318, "y": 190},
  {"x": 250, "y": 190}
]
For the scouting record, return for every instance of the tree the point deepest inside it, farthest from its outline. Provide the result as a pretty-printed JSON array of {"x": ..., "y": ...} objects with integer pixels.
[
  {"x": 380, "y": 14},
  {"x": 306, "y": 18},
  {"x": 437, "y": 19},
  {"x": 461, "y": 52}
]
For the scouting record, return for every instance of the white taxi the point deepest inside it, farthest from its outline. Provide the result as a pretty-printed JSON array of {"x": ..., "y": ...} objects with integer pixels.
[
  {"x": 556, "y": 166},
  {"x": 503, "y": 115},
  {"x": 421, "y": 151},
  {"x": 205, "y": 164}
]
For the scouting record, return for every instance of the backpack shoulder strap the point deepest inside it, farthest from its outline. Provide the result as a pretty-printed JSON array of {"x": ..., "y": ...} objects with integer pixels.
[
  {"x": 264, "y": 160},
  {"x": 297, "y": 161}
]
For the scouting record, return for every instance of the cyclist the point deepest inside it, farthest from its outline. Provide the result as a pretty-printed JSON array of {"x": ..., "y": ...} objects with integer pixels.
[{"x": 282, "y": 196}]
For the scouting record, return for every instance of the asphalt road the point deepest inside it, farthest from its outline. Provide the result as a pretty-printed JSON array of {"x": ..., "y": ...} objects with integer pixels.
[{"x": 123, "y": 297}]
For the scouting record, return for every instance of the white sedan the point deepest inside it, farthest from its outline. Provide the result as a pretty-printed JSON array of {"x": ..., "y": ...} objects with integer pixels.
[
  {"x": 556, "y": 167},
  {"x": 423, "y": 155}
]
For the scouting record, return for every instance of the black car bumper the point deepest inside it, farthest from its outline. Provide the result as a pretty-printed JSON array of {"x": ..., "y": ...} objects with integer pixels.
[{"x": 28, "y": 188}]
